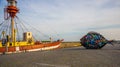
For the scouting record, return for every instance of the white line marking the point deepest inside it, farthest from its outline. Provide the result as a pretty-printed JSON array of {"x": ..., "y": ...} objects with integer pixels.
[{"x": 51, "y": 65}]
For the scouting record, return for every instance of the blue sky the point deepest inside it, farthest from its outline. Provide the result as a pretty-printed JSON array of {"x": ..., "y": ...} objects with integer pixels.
[{"x": 71, "y": 19}]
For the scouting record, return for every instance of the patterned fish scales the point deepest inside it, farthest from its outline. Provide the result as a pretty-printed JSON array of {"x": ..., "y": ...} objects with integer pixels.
[{"x": 93, "y": 40}]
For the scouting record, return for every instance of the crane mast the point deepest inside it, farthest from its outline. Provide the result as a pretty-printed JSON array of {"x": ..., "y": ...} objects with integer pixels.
[{"x": 12, "y": 10}]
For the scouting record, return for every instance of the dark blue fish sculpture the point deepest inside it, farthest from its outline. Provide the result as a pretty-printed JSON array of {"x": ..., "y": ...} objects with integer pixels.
[{"x": 93, "y": 40}]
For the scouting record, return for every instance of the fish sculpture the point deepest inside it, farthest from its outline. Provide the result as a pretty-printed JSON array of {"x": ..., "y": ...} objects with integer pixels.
[{"x": 94, "y": 40}]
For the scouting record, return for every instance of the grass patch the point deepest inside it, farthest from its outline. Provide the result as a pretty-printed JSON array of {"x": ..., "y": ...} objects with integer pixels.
[{"x": 70, "y": 44}]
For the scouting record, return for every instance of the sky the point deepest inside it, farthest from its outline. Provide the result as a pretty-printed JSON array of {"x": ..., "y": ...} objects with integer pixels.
[{"x": 70, "y": 19}]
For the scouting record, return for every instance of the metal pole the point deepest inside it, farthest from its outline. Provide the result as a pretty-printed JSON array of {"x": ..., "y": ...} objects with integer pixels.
[{"x": 12, "y": 29}]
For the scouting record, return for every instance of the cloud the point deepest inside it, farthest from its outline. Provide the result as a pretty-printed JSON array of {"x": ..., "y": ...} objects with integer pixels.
[
  {"x": 71, "y": 18},
  {"x": 110, "y": 34}
]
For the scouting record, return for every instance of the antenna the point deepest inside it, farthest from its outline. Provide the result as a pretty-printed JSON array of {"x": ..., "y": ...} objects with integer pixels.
[{"x": 10, "y": 11}]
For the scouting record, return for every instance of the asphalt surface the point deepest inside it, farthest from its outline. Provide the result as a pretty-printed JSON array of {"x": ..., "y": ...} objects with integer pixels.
[{"x": 109, "y": 56}]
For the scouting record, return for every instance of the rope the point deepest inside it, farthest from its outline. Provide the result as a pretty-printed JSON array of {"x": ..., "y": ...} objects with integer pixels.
[
  {"x": 18, "y": 36},
  {"x": 6, "y": 25},
  {"x": 23, "y": 25},
  {"x": 7, "y": 29},
  {"x": 37, "y": 30},
  {"x": 2, "y": 27}
]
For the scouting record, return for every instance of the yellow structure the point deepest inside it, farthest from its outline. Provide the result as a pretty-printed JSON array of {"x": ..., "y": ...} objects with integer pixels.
[
  {"x": 28, "y": 40},
  {"x": 27, "y": 36}
]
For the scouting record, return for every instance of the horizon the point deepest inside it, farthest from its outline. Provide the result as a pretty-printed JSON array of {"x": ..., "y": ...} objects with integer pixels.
[{"x": 70, "y": 20}]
